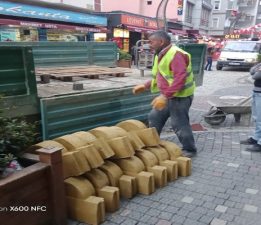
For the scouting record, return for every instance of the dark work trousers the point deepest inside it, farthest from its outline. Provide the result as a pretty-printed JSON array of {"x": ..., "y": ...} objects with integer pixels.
[
  {"x": 209, "y": 63},
  {"x": 178, "y": 111}
]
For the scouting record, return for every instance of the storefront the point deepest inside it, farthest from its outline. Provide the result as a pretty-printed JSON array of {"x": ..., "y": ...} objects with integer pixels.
[
  {"x": 20, "y": 22},
  {"x": 127, "y": 28}
]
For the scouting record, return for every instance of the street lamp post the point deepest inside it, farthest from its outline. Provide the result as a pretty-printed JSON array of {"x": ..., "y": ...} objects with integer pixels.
[{"x": 161, "y": 15}]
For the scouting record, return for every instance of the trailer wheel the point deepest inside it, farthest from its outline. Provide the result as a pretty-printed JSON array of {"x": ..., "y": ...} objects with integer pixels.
[{"x": 215, "y": 117}]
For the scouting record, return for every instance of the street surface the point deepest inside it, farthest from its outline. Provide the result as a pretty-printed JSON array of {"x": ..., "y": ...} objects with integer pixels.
[{"x": 225, "y": 185}]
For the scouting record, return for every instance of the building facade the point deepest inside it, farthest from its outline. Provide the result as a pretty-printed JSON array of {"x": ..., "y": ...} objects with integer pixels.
[
  {"x": 145, "y": 8},
  {"x": 231, "y": 15},
  {"x": 197, "y": 15},
  {"x": 41, "y": 21}
]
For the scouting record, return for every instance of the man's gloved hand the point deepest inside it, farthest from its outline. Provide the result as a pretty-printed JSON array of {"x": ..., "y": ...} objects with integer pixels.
[
  {"x": 159, "y": 102},
  {"x": 138, "y": 89}
]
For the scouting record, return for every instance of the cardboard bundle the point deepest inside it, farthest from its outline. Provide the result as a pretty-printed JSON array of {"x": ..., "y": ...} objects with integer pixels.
[
  {"x": 71, "y": 142},
  {"x": 47, "y": 144},
  {"x": 131, "y": 125},
  {"x": 122, "y": 147}
]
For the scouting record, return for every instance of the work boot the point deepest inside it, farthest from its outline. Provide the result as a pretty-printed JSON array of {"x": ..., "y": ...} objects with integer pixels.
[
  {"x": 254, "y": 148},
  {"x": 249, "y": 141},
  {"x": 189, "y": 154}
]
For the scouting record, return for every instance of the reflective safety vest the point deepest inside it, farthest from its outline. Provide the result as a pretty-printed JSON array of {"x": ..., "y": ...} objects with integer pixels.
[{"x": 163, "y": 67}]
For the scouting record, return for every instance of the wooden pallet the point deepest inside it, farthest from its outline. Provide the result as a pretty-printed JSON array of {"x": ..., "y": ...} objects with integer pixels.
[{"x": 67, "y": 73}]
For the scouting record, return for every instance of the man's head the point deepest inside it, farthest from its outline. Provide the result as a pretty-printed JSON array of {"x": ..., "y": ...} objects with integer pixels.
[{"x": 159, "y": 40}]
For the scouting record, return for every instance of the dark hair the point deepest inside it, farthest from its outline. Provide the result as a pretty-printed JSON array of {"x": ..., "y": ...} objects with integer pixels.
[{"x": 162, "y": 35}]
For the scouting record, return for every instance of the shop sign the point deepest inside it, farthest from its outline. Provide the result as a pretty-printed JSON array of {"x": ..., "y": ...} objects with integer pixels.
[
  {"x": 17, "y": 9},
  {"x": 51, "y": 25},
  {"x": 138, "y": 21},
  {"x": 232, "y": 36},
  {"x": 8, "y": 35},
  {"x": 180, "y": 7},
  {"x": 121, "y": 33}
]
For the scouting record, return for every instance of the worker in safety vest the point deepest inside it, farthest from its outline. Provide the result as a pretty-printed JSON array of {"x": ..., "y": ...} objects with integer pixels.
[{"x": 172, "y": 76}]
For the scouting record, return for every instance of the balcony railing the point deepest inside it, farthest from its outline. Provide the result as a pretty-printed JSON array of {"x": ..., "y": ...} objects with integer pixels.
[{"x": 207, "y": 3}]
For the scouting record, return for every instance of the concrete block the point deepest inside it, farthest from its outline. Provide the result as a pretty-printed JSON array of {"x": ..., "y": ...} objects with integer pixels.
[
  {"x": 184, "y": 166},
  {"x": 90, "y": 210},
  {"x": 111, "y": 196}
]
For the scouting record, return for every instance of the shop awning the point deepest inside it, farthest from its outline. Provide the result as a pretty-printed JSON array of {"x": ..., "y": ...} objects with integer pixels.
[
  {"x": 52, "y": 25},
  {"x": 140, "y": 29},
  {"x": 178, "y": 32}
]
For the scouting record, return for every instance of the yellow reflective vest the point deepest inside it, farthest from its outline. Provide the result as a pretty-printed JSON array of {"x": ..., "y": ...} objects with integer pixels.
[{"x": 163, "y": 67}]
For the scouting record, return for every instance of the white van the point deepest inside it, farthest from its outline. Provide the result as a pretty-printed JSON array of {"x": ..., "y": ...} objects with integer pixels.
[{"x": 242, "y": 54}]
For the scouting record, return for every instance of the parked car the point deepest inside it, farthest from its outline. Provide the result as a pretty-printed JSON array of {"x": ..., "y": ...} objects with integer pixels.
[{"x": 244, "y": 54}]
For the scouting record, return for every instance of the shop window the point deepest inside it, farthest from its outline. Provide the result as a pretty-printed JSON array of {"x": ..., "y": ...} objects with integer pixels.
[{"x": 26, "y": 32}]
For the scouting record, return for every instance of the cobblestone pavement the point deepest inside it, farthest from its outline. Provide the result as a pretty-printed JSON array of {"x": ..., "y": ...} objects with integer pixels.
[{"x": 225, "y": 185}]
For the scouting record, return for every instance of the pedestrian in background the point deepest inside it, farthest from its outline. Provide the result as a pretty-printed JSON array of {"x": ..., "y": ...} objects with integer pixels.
[
  {"x": 255, "y": 140},
  {"x": 172, "y": 76},
  {"x": 210, "y": 52}
]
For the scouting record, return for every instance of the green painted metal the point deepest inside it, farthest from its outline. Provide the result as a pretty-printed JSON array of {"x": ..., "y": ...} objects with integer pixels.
[
  {"x": 198, "y": 52},
  {"x": 67, "y": 114},
  {"x": 17, "y": 82},
  {"x": 51, "y": 54}
]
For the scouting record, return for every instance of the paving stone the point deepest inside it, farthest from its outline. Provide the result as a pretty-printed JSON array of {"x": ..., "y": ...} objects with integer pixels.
[
  {"x": 149, "y": 219},
  {"x": 140, "y": 223},
  {"x": 158, "y": 206},
  {"x": 171, "y": 209},
  {"x": 233, "y": 211},
  {"x": 191, "y": 222},
  {"x": 221, "y": 208},
  {"x": 218, "y": 201},
  {"x": 216, "y": 221},
  {"x": 227, "y": 217},
  {"x": 194, "y": 216},
  {"x": 250, "y": 208},
  {"x": 105, "y": 223},
  {"x": 153, "y": 212},
  {"x": 251, "y": 191},
  {"x": 116, "y": 219},
  {"x": 165, "y": 215},
  {"x": 206, "y": 219},
  {"x": 135, "y": 215},
  {"x": 209, "y": 205},
  {"x": 178, "y": 219},
  {"x": 163, "y": 222},
  {"x": 128, "y": 221},
  {"x": 188, "y": 182},
  {"x": 187, "y": 199},
  {"x": 235, "y": 165}
]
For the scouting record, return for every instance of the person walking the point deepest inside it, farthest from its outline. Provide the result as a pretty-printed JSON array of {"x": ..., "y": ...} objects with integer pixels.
[
  {"x": 209, "y": 59},
  {"x": 172, "y": 76},
  {"x": 255, "y": 140}
]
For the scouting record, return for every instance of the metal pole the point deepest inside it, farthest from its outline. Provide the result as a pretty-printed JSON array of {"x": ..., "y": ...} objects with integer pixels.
[
  {"x": 165, "y": 18},
  {"x": 162, "y": 6}
]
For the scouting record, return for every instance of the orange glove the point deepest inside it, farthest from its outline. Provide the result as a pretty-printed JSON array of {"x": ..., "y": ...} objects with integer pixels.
[
  {"x": 138, "y": 89},
  {"x": 159, "y": 102}
]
